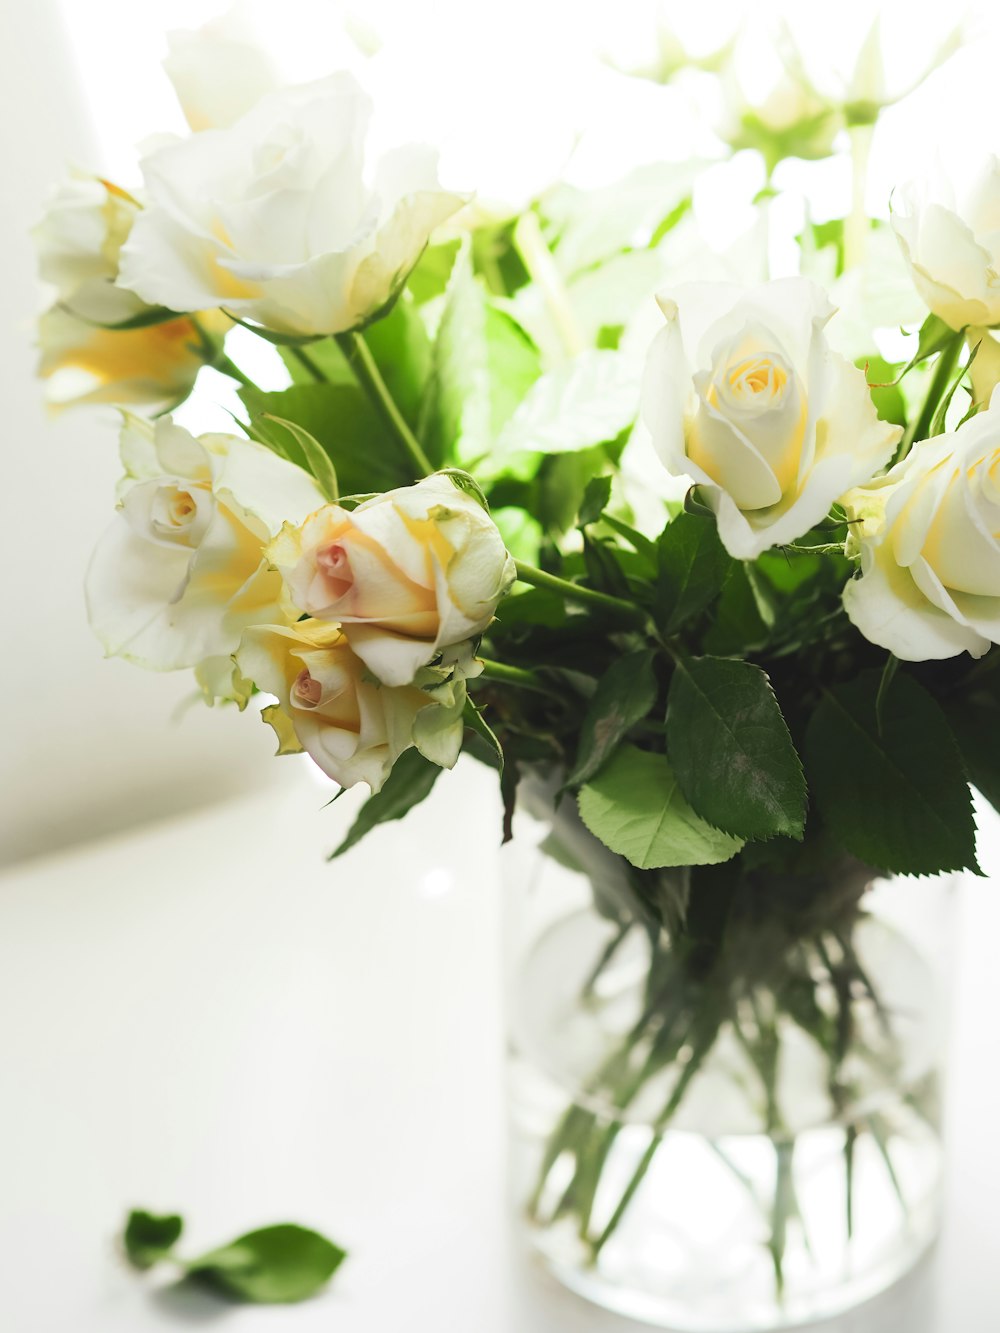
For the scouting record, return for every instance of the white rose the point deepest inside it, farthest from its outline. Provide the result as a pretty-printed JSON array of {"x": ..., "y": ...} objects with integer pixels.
[
  {"x": 78, "y": 243},
  {"x": 408, "y": 574},
  {"x": 953, "y": 249},
  {"x": 280, "y": 218},
  {"x": 930, "y": 551},
  {"x": 742, "y": 395},
  {"x": 354, "y": 727},
  {"x": 218, "y": 71},
  {"x": 181, "y": 572}
]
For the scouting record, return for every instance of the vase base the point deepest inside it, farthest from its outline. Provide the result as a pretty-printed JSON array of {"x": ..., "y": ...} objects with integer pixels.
[{"x": 676, "y": 1316}]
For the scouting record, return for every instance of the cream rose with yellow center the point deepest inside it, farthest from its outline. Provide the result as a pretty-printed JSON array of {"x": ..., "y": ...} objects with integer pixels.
[
  {"x": 181, "y": 571},
  {"x": 929, "y": 539},
  {"x": 743, "y": 395}
]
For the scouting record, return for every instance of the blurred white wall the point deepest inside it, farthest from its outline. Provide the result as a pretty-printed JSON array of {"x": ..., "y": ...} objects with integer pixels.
[{"x": 88, "y": 745}]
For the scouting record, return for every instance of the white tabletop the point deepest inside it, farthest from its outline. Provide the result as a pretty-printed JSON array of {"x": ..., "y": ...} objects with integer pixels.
[{"x": 204, "y": 1016}]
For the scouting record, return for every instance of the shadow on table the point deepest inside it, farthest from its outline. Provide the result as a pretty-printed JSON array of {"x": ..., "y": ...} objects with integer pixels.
[{"x": 188, "y": 1303}]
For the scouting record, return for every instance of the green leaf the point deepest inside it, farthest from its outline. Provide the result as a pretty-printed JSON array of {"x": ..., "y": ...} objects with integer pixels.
[
  {"x": 898, "y": 800},
  {"x": 467, "y": 484},
  {"x": 739, "y": 624},
  {"x": 316, "y": 457},
  {"x": 883, "y": 385},
  {"x": 624, "y": 696},
  {"x": 692, "y": 567},
  {"x": 595, "y": 501},
  {"x": 938, "y": 421},
  {"x": 633, "y": 212},
  {"x": 411, "y": 779},
  {"x": 731, "y": 750},
  {"x": 481, "y": 365},
  {"x": 975, "y": 723},
  {"x": 401, "y": 347},
  {"x": 430, "y": 277},
  {"x": 578, "y": 404},
  {"x": 326, "y": 356},
  {"x": 275, "y": 1265},
  {"x": 636, "y": 808},
  {"x": 537, "y": 606},
  {"x": 475, "y": 721},
  {"x": 340, "y": 417},
  {"x": 935, "y": 335},
  {"x": 149, "y": 1237}
]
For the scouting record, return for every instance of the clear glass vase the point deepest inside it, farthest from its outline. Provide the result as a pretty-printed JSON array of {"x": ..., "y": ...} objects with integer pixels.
[{"x": 735, "y": 1125}]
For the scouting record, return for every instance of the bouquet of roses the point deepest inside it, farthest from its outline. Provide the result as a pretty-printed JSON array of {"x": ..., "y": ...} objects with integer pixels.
[{"x": 728, "y": 595}]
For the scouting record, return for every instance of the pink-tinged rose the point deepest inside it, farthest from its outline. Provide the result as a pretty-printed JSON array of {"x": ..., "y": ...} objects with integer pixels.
[
  {"x": 328, "y": 704},
  {"x": 408, "y": 574}
]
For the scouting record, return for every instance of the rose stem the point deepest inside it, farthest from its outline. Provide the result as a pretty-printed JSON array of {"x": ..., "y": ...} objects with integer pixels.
[
  {"x": 368, "y": 375},
  {"x": 573, "y": 592},
  {"x": 939, "y": 384},
  {"x": 308, "y": 364},
  {"x": 513, "y": 675},
  {"x": 212, "y": 354},
  {"x": 542, "y": 270}
]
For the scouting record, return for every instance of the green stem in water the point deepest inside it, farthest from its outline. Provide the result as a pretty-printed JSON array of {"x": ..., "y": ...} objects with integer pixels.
[
  {"x": 573, "y": 592},
  {"x": 699, "y": 1050},
  {"x": 368, "y": 375}
]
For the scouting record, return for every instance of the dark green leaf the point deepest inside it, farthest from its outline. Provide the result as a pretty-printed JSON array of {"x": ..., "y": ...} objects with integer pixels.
[
  {"x": 692, "y": 568},
  {"x": 976, "y": 725},
  {"x": 149, "y": 1237},
  {"x": 898, "y": 800},
  {"x": 738, "y": 625},
  {"x": 636, "y": 808},
  {"x": 364, "y": 455},
  {"x": 276, "y": 1265},
  {"x": 537, "y": 606},
  {"x": 639, "y": 543},
  {"x": 595, "y": 500},
  {"x": 604, "y": 565},
  {"x": 731, "y": 751},
  {"x": 624, "y": 696},
  {"x": 411, "y": 779}
]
